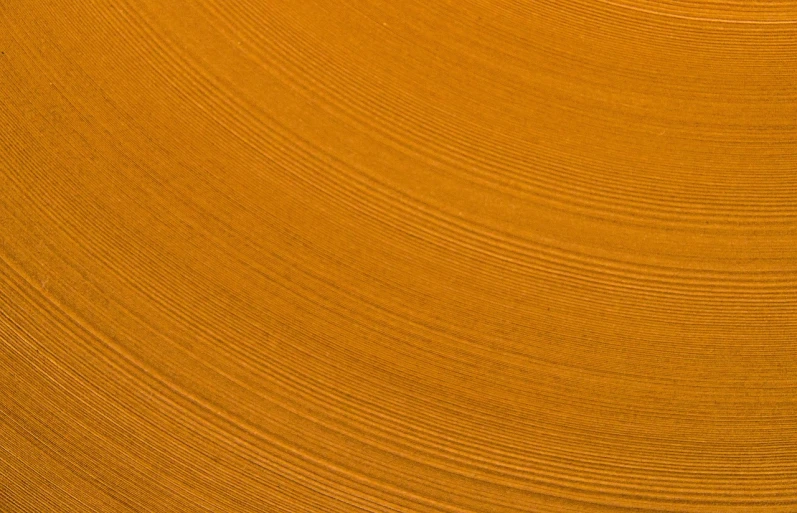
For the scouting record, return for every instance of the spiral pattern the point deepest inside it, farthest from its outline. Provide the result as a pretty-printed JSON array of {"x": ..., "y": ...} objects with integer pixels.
[{"x": 429, "y": 256}]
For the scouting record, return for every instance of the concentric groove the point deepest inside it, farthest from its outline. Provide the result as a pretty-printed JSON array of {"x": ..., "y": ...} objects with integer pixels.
[{"x": 369, "y": 256}]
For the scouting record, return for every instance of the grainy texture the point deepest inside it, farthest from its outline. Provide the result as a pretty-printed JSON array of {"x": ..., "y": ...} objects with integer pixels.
[{"x": 380, "y": 256}]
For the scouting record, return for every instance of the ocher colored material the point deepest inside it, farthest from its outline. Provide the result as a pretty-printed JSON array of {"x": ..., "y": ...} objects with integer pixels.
[{"x": 379, "y": 256}]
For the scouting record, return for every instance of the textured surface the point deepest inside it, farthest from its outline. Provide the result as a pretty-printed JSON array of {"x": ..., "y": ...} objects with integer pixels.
[{"x": 362, "y": 255}]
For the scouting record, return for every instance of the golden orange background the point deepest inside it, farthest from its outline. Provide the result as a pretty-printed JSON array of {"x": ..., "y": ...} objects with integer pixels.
[{"x": 423, "y": 256}]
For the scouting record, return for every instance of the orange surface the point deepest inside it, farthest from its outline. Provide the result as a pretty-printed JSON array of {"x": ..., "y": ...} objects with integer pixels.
[{"x": 362, "y": 255}]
